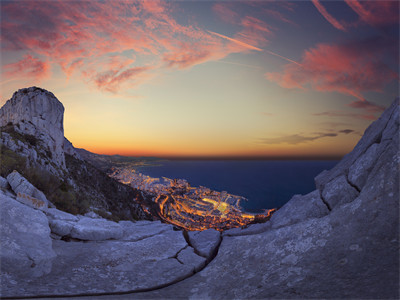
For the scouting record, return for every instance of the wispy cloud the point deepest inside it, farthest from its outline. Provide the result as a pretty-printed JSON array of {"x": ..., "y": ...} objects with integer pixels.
[
  {"x": 350, "y": 68},
  {"x": 335, "y": 23},
  {"x": 346, "y": 131},
  {"x": 28, "y": 67},
  {"x": 78, "y": 35},
  {"x": 295, "y": 139},
  {"x": 339, "y": 113},
  {"x": 377, "y": 13},
  {"x": 367, "y": 106}
]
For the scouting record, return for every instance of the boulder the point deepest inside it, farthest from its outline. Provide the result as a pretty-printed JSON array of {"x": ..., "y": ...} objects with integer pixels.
[
  {"x": 360, "y": 169},
  {"x": 251, "y": 229},
  {"x": 339, "y": 191},
  {"x": 375, "y": 133},
  {"x": 135, "y": 231},
  {"x": 26, "y": 192},
  {"x": 61, "y": 227},
  {"x": 96, "y": 230},
  {"x": 188, "y": 257},
  {"x": 26, "y": 247},
  {"x": 4, "y": 183},
  {"x": 56, "y": 214},
  {"x": 299, "y": 209},
  {"x": 205, "y": 242}
]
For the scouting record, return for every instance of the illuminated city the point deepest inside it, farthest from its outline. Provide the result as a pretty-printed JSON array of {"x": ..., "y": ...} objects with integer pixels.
[{"x": 191, "y": 208}]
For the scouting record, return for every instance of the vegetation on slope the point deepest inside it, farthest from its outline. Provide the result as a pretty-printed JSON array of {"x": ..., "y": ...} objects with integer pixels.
[{"x": 59, "y": 192}]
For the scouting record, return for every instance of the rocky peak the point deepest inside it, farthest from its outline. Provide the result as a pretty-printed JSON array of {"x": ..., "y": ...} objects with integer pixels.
[
  {"x": 37, "y": 112},
  {"x": 35, "y": 105}
]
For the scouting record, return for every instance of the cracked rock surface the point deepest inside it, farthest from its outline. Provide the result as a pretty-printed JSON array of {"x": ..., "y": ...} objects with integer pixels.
[
  {"x": 134, "y": 262},
  {"x": 310, "y": 251}
]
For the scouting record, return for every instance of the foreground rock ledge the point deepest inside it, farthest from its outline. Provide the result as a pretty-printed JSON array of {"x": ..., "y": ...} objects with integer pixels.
[{"x": 317, "y": 246}]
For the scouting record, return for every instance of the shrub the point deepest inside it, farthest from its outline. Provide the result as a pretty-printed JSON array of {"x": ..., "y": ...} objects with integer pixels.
[{"x": 10, "y": 161}]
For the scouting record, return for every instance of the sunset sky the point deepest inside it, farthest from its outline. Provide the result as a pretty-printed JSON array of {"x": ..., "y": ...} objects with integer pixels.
[{"x": 202, "y": 78}]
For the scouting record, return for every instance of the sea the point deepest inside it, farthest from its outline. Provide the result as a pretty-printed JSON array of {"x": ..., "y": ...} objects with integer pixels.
[{"x": 266, "y": 184}]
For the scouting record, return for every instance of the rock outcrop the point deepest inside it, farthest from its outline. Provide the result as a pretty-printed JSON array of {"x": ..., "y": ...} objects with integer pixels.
[
  {"x": 113, "y": 257},
  {"x": 26, "y": 192},
  {"x": 26, "y": 246},
  {"x": 32, "y": 141},
  {"x": 39, "y": 113}
]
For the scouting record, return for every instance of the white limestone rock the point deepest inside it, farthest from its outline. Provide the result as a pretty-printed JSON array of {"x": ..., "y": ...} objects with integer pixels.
[
  {"x": 249, "y": 230},
  {"x": 359, "y": 170},
  {"x": 338, "y": 191},
  {"x": 56, "y": 214},
  {"x": 299, "y": 209},
  {"x": 69, "y": 149},
  {"x": 26, "y": 247},
  {"x": 39, "y": 113},
  {"x": 26, "y": 192},
  {"x": 135, "y": 231},
  {"x": 96, "y": 230},
  {"x": 60, "y": 227},
  {"x": 188, "y": 257},
  {"x": 110, "y": 266},
  {"x": 4, "y": 183},
  {"x": 382, "y": 129}
]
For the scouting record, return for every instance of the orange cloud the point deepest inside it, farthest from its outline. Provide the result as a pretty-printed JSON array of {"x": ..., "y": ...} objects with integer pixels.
[{"x": 335, "y": 23}]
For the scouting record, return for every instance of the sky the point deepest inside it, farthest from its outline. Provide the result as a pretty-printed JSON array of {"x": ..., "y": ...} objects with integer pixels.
[{"x": 262, "y": 79}]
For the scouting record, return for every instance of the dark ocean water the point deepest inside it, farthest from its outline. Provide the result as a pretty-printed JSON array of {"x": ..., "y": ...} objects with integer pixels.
[{"x": 266, "y": 184}]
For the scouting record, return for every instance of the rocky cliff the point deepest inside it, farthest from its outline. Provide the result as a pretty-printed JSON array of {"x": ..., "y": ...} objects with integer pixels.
[
  {"x": 32, "y": 142},
  {"x": 339, "y": 241},
  {"x": 37, "y": 112}
]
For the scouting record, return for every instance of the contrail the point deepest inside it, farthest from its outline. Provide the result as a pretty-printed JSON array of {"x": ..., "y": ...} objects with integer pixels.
[
  {"x": 285, "y": 58},
  {"x": 236, "y": 41},
  {"x": 252, "y": 47}
]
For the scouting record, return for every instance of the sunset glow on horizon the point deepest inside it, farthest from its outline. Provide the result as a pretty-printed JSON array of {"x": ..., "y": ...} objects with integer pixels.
[{"x": 262, "y": 79}]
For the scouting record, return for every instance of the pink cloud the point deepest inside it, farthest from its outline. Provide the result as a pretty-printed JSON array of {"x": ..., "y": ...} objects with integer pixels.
[
  {"x": 335, "y": 23},
  {"x": 78, "y": 36},
  {"x": 367, "y": 106},
  {"x": 224, "y": 11},
  {"x": 28, "y": 67},
  {"x": 376, "y": 12},
  {"x": 349, "y": 69},
  {"x": 112, "y": 80},
  {"x": 187, "y": 56},
  {"x": 277, "y": 15}
]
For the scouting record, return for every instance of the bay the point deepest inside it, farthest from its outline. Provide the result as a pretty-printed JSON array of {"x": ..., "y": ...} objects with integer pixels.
[{"x": 266, "y": 184}]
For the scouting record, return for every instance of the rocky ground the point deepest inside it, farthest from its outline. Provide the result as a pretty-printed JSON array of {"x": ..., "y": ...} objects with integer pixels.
[{"x": 340, "y": 241}]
